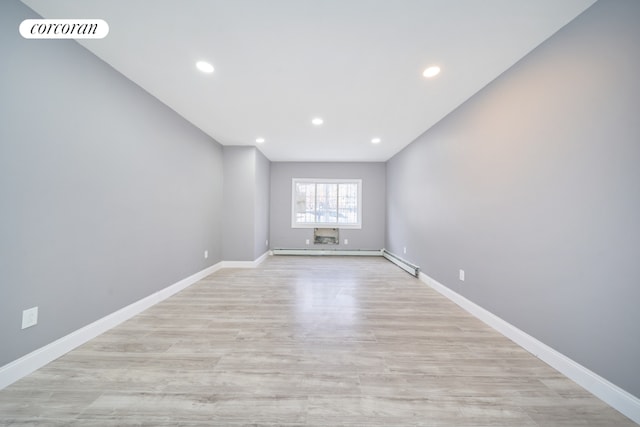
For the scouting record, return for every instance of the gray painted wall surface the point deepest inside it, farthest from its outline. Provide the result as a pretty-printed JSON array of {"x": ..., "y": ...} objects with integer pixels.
[
  {"x": 239, "y": 203},
  {"x": 246, "y": 195},
  {"x": 261, "y": 221},
  {"x": 107, "y": 196},
  {"x": 533, "y": 188},
  {"x": 371, "y": 236}
]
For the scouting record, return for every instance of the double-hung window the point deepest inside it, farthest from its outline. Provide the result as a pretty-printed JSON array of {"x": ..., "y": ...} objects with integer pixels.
[{"x": 326, "y": 203}]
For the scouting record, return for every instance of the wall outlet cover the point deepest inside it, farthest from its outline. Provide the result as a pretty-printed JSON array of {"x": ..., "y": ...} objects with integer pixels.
[{"x": 29, "y": 317}]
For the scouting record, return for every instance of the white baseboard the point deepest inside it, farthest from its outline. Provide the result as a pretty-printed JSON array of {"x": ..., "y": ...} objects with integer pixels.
[
  {"x": 340, "y": 252},
  {"x": 27, "y": 364},
  {"x": 621, "y": 400},
  {"x": 246, "y": 264}
]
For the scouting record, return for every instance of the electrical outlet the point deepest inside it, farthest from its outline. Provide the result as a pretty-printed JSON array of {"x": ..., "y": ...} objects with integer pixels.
[
  {"x": 307, "y": 241},
  {"x": 206, "y": 254},
  {"x": 461, "y": 275},
  {"x": 266, "y": 243},
  {"x": 404, "y": 250},
  {"x": 346, "y": 241},
  {"x": 29, "y": 317}
]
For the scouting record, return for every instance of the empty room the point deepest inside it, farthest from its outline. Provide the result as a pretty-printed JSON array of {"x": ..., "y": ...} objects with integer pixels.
[{"x": 320, "y": 213}]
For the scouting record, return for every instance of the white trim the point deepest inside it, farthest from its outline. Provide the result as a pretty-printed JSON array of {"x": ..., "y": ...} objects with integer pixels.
[
  {"x": 623, "y": 401},
  {"x": 245, "y": 264},
  {"x": 354, "y": 252},
  {"x": 27, "y": 364}
]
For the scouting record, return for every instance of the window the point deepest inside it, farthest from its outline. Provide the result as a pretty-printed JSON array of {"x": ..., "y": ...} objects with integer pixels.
[{"x": 326, "y": 203}]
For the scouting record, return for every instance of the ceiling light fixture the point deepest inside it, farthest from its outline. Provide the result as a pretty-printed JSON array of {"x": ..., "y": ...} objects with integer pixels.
[
  {"x": 205, "y": 67},
  {"x": 431, "y": 71},
  {"x": 376, "y": 141},
  {"x": 259, "y": 140},
  {"x": 317, "y": 121}
]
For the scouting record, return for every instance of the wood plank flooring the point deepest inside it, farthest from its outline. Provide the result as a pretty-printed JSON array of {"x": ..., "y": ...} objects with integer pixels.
[{"x": 303, "y": 341}]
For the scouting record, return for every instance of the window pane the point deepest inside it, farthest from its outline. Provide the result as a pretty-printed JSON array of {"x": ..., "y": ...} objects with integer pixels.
[
  {"x": 327, "y": 198},
  {"x": 305, "y": 202},
  {"x": 348, "y": 203}
]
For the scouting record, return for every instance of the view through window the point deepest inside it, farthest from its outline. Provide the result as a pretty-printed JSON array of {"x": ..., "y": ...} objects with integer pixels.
[{"x": 326, "y": 202}]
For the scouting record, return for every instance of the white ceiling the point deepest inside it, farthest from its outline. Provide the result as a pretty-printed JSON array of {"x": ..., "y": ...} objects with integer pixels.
[{"x": 278, "y": 63}]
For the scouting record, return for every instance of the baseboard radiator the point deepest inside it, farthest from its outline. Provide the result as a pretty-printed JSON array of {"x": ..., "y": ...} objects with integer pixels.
[
  {"x": 315, "y": 251},
  {"x": 414, "y": 270}
]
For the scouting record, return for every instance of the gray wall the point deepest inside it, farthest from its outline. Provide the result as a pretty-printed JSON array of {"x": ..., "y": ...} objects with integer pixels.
[
  {"x": 239, "y": 210},
  {"x": 533, "y": 188},
  {"x": 371, "y": 236},
  {"x": 246, "y": 202},
  {"x": 262, "y": 198},
  {"x": 106, "y": 195}
]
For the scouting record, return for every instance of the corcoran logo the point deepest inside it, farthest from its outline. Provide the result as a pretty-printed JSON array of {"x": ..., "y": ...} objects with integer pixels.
[{"x": 64, "y": 29}]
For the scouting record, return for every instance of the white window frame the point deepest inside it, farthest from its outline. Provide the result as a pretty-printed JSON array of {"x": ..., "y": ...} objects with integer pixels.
[{"x": 295, "y": 224}]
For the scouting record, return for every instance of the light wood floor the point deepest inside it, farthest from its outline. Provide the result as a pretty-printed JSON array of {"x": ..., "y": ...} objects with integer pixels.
[{"x": 303, "y": 341}]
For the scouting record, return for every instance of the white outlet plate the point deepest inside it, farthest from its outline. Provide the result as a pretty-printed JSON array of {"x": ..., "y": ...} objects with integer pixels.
[
  {"x": 461, "y": 275},
  {"x": 307, "y": 241},
  {"x": 206, "y": 254},
  {"x": 404, "y": 250},
  {"x": 29, "y": 317},
  {"x": 346, "y": 241}
]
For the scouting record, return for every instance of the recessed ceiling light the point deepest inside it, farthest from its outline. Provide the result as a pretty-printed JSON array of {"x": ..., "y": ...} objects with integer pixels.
[
  {"x": 376, "y": 141},
  {"x": 259, "y": 140},
  {"x": 431, "y": 71},
  {"x": 317, "y": 121},
  {"x": 205, "y": 67}
]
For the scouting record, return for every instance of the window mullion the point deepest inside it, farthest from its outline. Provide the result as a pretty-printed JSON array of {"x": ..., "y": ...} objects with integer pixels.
[
  {"x": 337, "y": 203},
  {"x": 315, "y": 202}
]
